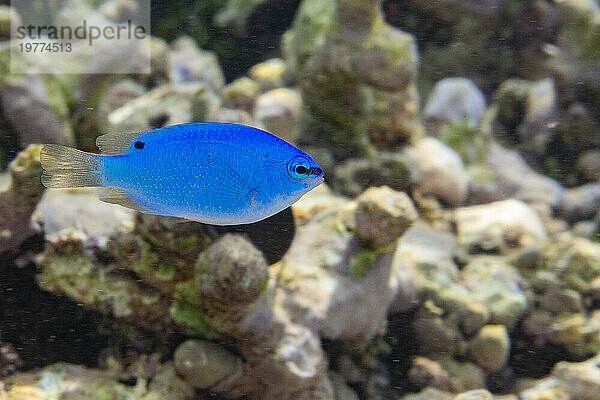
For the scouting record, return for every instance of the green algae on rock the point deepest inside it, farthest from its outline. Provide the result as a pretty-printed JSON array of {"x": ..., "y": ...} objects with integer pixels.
[
  {"x": 356, "y": 74},
  {"x": 453, "y": 100},
  {"x": 67, "y": 270}
]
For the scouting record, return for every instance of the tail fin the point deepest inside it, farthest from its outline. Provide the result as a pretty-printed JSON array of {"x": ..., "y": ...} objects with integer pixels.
[{"x": 66, "y": 167}]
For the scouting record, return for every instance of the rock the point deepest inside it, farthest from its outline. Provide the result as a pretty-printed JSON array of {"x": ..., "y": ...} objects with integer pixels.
[
  {"x": 507, "y": 175},
  {"x": 95, "y": 219},
  {"x": 355, "y": 175},
  {"x": 65, "y": 270},
  {"x": 588, "y": 165},
  {"x": 314, "y": 202},
  {"x": 160, "y": 251},
  {"x": 576, "y": 330},
  {"x": 470, "y": 142},
  {"x": 574, "y": 61},
  {"x": 8, "y": 16},
  {"x": 281, "y": 355},
  {"x": 429, "y": 394},
  {"x": 159, "y": 60},
  {"x": 549, "y": 391},
  {"x": 348, "y": 369},
  {"x": 442, "y": 170},
  {"x": 341, "y": 390},
  {"x": 121, "y": 10},
  {"x": 540, "y": 112},
  {"x": 453, "y": 100},
  {"x": 323, "y": 390},
  {"x": 116, "y": 96},
  {"x": 230, "y": 276},
  {"x": 20, "y": 191},
  {"x": 499, "y": 226},
  {"x": 425, "y": 261},
  {"x": 476, "y": 44},
  {"x": 240, "y": 94},
  {"x": 86, "y": 68},
  {"x": 487, "y": 289},
  {"x": 269, "y": 74},
  {"x": 480, "y": 394},
  {"x": 382, "y": 215},
  {"x": 36, "y": 108},
  {"x": 356, "y": 74},
  {"x": 169, "y": 385},
  {"x": 580, "y": 203},
  {"x": 279, "y": 111},
  {"x": 578, "y": 131},
  {"x": 498, "y": 285},
  {"x": 437, "y": 331},
  {"x": 557, "y": 300},
  {"x": 364, "y": 288},
  {"x": 203, "y": 364},
  {"x": 233, "y": 116},
  {"x": 528, "y": 258},
  {"x": 379, "y": 382},
  {"x": 9, "y": 361},
  {"x": 235, "y": 13},
  {"x": 490, "y": 347},
  {"x": 464, "y": 375},
  {"x": 428, "y": 373},
  {"x": 580, "y": 380},
  {"x": 205, "y": 104},
  {"x": 526, "y": 110},
  {"x": 76, "y": 382},
  {"x": 336, "y": 286},
  {"x": 577, "y": 263},
  {"x": 161, "y": 106},
  {"x": 187, "y": 64}
]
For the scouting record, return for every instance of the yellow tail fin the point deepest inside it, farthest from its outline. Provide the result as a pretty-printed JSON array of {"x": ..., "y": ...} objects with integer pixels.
[{"x": 66, "y": 167}]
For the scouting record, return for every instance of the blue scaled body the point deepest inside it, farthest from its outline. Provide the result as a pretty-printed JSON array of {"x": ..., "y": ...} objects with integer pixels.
[{"x": 216, "y": 173}]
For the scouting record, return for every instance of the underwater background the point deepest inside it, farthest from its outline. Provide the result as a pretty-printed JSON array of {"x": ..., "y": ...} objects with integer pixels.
[{"x": 453, "y": 253}]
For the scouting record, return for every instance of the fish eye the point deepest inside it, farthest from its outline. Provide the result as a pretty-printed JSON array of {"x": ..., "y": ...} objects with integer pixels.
[
  {"x": 301, "y": 170},
  {"x": 298, "y": 168}
]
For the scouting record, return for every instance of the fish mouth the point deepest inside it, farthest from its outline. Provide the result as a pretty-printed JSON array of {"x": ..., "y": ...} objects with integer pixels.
[{"x": 317, "y": 181}]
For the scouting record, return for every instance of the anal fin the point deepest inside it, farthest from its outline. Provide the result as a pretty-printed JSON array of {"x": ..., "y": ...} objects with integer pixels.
[{"x": 123, "y": 198}]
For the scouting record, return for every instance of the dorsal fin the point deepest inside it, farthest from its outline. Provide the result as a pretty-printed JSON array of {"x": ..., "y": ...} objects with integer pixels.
[{"x": 116, "y": 143}]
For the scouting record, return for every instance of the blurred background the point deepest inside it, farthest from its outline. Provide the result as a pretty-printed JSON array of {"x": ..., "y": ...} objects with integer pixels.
[{"x": 453, "y": 253}]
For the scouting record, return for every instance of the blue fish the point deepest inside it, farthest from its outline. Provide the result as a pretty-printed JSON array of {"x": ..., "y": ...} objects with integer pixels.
[{"x": 211, "y": 172}]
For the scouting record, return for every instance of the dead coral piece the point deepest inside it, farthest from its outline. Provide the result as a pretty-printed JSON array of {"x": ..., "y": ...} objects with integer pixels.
[
  {"x": 383, "y": 215},
  {"x": 20, "y": 192}
]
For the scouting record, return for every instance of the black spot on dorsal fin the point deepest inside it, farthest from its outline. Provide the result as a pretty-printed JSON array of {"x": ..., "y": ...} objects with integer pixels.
[
  {"x": 117, "y": 143},
  {"x": 139, "y": 145}
]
